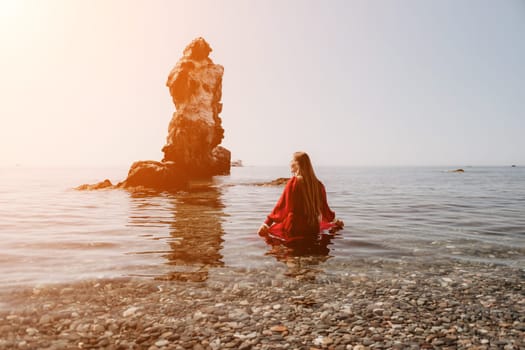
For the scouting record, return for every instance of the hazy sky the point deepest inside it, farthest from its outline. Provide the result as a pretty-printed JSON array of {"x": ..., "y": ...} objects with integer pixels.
[{"x": 350, "y": 82}]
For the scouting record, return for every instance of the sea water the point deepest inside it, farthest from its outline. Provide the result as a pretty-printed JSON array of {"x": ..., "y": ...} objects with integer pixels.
[{"x": 50, "y": 232}]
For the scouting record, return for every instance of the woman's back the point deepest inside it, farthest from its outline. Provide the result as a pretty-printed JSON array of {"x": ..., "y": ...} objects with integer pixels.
[
  {"x": 302, "y": 210},
  {"x": 303, "y": 223}
]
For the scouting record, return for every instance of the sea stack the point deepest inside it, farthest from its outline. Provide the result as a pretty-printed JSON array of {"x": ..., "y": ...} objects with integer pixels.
[{"x": 195, "y": 132}]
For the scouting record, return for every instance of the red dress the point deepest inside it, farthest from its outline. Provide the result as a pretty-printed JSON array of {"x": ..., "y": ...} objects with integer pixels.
[{"x": 288, "y": 220}]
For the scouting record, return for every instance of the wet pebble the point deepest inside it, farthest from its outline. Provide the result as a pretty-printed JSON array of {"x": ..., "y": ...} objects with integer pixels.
[{"x": 405, "y": 308}]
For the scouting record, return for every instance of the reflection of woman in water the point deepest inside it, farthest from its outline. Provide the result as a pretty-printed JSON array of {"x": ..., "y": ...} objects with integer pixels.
[{"x": 302, "y": 211}]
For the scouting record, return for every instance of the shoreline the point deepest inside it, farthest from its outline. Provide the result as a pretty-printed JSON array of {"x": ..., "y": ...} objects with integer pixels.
[{"x": 368, "y": 304}]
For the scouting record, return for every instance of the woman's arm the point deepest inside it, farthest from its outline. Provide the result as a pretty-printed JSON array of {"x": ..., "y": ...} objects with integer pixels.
[
  {"x": 280, "y": 210},
  {"x": 283, "y": 205},
  {"x": 327, "y": 213}
]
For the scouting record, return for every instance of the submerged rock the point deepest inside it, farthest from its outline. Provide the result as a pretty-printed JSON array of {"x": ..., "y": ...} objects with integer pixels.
[
  {"x": 277, "y": 182},
  {"x": 98, "y": 186},
  {"x": 194, "y": 133}
]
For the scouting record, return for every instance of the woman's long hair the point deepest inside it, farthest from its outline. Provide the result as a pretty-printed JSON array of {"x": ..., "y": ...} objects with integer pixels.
[{"x": 312, "y": 190}]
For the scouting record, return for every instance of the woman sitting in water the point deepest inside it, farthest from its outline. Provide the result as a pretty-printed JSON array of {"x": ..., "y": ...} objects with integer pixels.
[{"x": 302, "y": 211}]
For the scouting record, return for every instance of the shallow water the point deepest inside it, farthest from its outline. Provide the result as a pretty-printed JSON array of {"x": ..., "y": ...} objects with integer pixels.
[{"x": 51, "y": 233}]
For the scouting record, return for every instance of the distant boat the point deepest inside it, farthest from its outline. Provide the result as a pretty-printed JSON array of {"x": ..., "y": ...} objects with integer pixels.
[
  {"x": 513, "y": 165},
  {"x": 237, "y": 162}
]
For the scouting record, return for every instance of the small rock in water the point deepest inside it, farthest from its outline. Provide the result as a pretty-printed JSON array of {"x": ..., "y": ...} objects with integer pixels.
[
  {"x": 215, "y": 344},
  {"x": 279, "y": 328},
  {"x": 199, "y": 315},
  {"x": 323, "y": 341},
  {"x": 130, "y": 311},
  {"x": 45, "y": 319},
  {"x": 161, "y": 342},
  {"x": 378, "y": 312},
  {"x": 31, "y": 331},
  {"x": 318, "y": 340}
]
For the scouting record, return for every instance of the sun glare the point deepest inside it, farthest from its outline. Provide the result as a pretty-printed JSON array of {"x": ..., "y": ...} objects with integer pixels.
[
  {"x": 10, "y": 8},
  {"x": 11, "y": 16}
]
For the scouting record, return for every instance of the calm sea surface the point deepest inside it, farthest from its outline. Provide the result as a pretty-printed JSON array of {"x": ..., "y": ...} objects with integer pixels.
[{"x": 52, "y": 233}]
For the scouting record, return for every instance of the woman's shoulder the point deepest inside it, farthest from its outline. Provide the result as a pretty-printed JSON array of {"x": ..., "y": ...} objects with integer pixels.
[
  {"x": 294, "y": 181},
  {"x": 299, "y": 179}
]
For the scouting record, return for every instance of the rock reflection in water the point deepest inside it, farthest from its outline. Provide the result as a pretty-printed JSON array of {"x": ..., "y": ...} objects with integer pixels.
[{"x": 195, "y": 233}]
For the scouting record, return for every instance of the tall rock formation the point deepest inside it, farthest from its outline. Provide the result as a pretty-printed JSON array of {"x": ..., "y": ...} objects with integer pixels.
[{"x": 194, "y": 133}]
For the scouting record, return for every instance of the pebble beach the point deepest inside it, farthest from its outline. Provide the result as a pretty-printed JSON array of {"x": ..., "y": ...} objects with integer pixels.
[{"x": 363, "y": 304}]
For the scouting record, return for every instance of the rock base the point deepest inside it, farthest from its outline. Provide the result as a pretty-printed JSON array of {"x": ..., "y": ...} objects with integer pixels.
[
  {"x": 148, "y": 175},
  {"x": 162, "y": 176}
]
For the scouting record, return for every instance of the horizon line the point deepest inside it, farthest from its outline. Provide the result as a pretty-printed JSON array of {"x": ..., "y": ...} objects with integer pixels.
[{"x": 119, "y": 166}]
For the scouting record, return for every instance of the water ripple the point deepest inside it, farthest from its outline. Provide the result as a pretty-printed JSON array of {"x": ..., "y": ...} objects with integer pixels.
[{"x": 52, "y": 233}]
